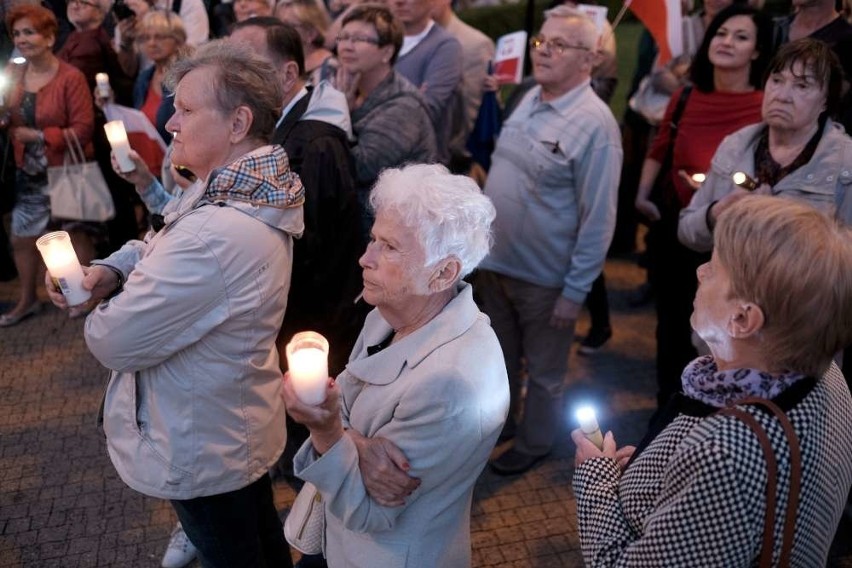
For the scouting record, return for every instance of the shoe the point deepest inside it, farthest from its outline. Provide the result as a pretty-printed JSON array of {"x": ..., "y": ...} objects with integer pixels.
[
  {"x": 594, "y": 340},
  {"x": 180, "y": 551},
  {"x": 7, "y": 320},
  {"x": 513, "y": 462}
]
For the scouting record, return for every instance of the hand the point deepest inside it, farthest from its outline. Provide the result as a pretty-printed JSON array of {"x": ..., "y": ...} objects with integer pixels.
[
  {"x": 141, "y": 176},
  {"x": 490, "y": 83},
  {"x": 99, "y": 280},
  {"x": 127, "y": 30},
  {"x": 647, "y": 208},
  {"x": 347, "y": 83},
  {"x": 623, "y": 455},
  {"x": 323, "y": 420},
  {"x": 695, "y": 185},
  {"x": 586, "y": 450},
  {"x": 100, "y": 100},
  {"x": 384, "y": 470},
  {"x": 720, "y": 206},
  {"x": 26, "y": 135},
  {"x": 180, "y": 181},
  {"x": 565, "y": 313}
]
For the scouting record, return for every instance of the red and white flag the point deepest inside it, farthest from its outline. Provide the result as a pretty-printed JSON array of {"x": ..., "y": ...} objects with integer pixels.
[
  {"x": 141, "y": 134},
  {"x": 663, "y": 19}
]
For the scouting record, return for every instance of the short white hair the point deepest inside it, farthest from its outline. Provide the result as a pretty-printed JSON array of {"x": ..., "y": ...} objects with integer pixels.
[
  {"x": 588, "y": 29},
  {"x": 448, "y": 213}
]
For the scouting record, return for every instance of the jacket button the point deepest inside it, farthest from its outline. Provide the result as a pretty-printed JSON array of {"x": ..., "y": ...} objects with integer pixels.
[{"x": 810, "y": 176}]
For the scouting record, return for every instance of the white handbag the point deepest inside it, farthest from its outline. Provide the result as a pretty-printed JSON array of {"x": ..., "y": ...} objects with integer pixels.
[
  {"x": 304, "y": 527},
  {"x": 78, "y": 190}
]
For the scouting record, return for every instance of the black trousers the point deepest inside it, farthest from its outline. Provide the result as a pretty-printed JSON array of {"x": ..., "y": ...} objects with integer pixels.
[{"x": 236, "y": 529}]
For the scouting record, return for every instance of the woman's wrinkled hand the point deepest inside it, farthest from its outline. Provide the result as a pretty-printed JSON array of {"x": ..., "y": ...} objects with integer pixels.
[
  {"x": 384, "y": 470},
  {"x": 99, "y": 280},
  {"x": 141, "y": 176},
  {"x": 347, "y": 83},
  {"x": 586, "y": 450},
  {"x": 323, "y": 420}
]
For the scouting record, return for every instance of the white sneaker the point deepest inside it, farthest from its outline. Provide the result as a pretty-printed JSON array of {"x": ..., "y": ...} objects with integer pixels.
[{"x": 180, "y": 551}]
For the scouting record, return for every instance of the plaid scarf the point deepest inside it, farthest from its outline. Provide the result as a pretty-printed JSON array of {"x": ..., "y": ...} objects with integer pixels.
[
  {"x": 703, "y": 381},
  {"x": 260, "y": 178}
]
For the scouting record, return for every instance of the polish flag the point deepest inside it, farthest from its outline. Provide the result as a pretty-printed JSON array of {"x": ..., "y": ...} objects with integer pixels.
[
  {"x": 664, "y": 20},
  {"x": 141, "y": 134}
]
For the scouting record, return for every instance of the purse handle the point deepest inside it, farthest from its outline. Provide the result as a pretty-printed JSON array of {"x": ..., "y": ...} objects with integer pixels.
[
  {"x": 74, "y": 148},
  {"x": 772, "y": 478}
]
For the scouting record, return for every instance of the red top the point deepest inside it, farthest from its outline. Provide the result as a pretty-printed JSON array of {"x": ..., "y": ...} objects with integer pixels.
[
  {"x": 706, "y": 120},
  {"x": 152, "y": 104},
  {"x": 63, "y": 103}
]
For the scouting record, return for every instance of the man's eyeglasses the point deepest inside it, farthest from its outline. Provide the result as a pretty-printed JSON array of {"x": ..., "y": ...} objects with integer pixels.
[
  {"x": 357, "y": 39},
  {"x": 539, "y": 42},
  {"x": 83, "y": 3}
]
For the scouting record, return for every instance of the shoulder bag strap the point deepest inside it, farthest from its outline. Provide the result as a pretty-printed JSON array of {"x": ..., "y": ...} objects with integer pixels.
[
  {"x": 771, "y": 480},
  {"x": 795, "y": 476},
  {"x": 74, "y": 148}
]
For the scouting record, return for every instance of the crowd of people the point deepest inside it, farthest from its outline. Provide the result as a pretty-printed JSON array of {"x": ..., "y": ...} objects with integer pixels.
[{"x": 318, "y": 177}]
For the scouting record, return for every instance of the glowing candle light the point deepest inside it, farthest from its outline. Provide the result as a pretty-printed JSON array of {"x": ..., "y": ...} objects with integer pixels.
[
  {"x": 589, "y": 425},
  {"x": 63, "y": 266},
  {"x": 307, "y": 361},
  {"x": 3, "y": 83},
  {"x": 117, "y": 136},
  {"x": 745, "y": 181},
  {"x": 102, "y": 80},
  {"x": 699, "y": 177}
]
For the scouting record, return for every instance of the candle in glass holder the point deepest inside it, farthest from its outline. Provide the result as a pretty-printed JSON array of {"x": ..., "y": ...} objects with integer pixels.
[
  {"x": 589, "y": 425},
  {"x": 63, "y": 266},
  {"x": 117, "y": 136},
  {"x": 102, "y": 80},
  {"x": 307, "y": 361}
]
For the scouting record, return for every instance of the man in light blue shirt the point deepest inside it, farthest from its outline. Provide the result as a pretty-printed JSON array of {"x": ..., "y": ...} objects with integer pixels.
[{"x": 554, "y": 181}]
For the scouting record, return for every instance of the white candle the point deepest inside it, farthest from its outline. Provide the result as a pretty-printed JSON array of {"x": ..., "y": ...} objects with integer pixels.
[
  {"x": 589, "y": 425},
  {"x": 698, "y": 178},
  {"x": 307, "y": 361},
  {"x": 102, "y": 80},
  {"x": 117, "y": 136},
  {"x": 3, "y": 83},
  {"x": 63, "y": 266}
]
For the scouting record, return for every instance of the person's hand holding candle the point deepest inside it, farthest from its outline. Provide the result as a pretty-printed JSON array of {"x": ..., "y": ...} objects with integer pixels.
[
  {"x": 323, "y": 420},
  {"x": 100, "y": 281},
  {"x": 117, "y": 136}
]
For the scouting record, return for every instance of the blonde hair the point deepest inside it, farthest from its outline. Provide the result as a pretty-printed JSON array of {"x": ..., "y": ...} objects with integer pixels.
[
  {"x": 796, "y": 264},
  {"x": 164, "y": 22},
  {"x": 310, "y": 15}
]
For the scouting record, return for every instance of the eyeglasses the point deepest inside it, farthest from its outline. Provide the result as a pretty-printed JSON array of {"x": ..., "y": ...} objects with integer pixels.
[
  {"x": 539, "y": 42},
  {"x": 83, "y": 3},
  {"x": 357, "y": 39}
]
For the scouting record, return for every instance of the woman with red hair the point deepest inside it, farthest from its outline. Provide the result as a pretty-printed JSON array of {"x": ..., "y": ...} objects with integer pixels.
[{"x": 49, "y": 101}]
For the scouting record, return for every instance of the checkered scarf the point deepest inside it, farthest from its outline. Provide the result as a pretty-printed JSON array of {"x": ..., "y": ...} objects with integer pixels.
[
  {"x": 261, "y": 178},
  {"x": 702, "y": 380}
]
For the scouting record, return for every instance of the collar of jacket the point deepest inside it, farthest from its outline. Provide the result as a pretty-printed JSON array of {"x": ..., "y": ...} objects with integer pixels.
[{"x": 385, "y": 366}]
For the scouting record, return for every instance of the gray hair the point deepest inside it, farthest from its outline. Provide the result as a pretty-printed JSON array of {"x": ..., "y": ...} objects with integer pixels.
[
  {"x": 448, "y": 213},
  {"x": 588, "y": 29},
  {"x": 241, "y": 79}
]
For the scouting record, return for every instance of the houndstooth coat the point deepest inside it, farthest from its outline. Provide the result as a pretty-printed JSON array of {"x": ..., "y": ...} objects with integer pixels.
[{"x": 694, "y": 496}]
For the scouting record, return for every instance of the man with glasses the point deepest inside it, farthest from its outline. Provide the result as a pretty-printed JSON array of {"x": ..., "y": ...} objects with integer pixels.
[{"x": 554, "y": 181}]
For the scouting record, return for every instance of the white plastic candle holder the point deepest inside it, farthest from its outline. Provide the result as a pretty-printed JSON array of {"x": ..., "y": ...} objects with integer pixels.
[
  {"x": 307, "y": 361},
  {"x": 117, "y": 136},
  {"x": 63, "y": 266}
]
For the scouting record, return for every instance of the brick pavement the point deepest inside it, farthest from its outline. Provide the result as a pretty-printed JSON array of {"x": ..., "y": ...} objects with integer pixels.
[{"x": 62, "y": 504}]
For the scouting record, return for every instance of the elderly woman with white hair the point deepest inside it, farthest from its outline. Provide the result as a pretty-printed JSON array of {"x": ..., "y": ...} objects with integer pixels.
[
  {"x": 714, "y": 487},
  {"x": 425, "y": 387}
]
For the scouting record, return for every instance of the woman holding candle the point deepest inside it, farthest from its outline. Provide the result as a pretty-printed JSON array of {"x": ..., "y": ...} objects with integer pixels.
[
  {"x": 774, "y": 304},
  {"x": 726, "y": 76},
  {"x": 797, "y": 151},
  {"x": 425, "y": 393},
  {"x": 48, "y": 102},
  {"x": 193, "y": 409}
]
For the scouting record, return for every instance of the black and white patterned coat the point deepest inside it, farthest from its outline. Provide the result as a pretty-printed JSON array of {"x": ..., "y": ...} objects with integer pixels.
[{"x": 695, "y": 495}]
